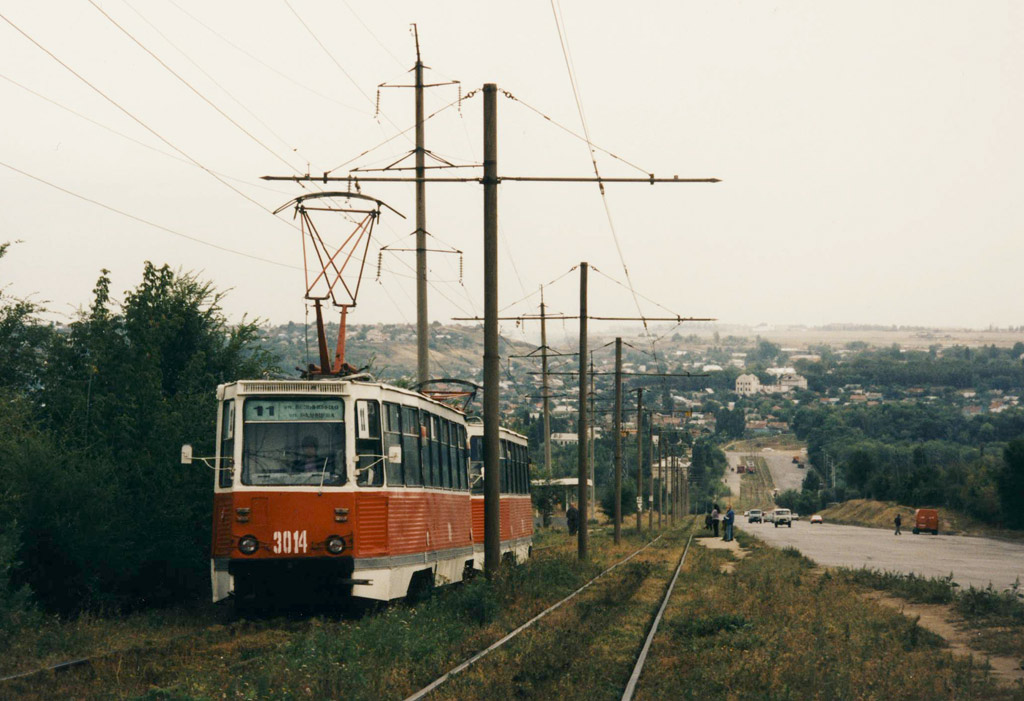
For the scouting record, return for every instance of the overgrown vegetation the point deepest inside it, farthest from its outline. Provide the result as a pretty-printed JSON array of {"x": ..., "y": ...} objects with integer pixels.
[{"x": 96, "y": 414}]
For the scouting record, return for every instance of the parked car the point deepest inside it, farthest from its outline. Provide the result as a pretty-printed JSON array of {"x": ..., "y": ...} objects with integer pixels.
[
  {"x": 926, "y": 520},
  {"x": 782, "y": 517},
  {"x": 816, "y": 518},
  {"x": 755, "y": 516}
]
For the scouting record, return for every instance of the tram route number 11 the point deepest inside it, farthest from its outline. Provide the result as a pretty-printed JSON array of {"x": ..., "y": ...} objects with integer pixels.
[{"x": 288, "y": 542}]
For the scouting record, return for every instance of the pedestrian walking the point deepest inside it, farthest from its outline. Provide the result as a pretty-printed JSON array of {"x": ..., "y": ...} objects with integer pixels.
[
  {"x": 730, "y": 518},
  {"x": 898, "y": 521},
  {"x": 572, "y": 519},
  {"x": 714, "y": 518}
]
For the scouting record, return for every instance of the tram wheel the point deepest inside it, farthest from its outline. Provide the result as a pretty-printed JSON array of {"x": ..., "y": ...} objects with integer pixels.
[{"x": 420, "y": 586}]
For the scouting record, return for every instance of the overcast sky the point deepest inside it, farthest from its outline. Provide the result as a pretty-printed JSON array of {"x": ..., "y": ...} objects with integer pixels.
[{"x": 870, "y": 153}]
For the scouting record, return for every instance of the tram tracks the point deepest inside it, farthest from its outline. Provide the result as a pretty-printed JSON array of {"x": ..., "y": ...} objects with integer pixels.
[{"x": 592, "y": 643}]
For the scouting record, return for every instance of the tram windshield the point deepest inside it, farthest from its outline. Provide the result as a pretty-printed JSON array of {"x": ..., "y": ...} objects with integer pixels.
[{"x": 293, "y": 441}]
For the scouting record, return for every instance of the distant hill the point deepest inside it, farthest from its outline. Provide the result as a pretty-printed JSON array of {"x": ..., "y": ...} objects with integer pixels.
[{"x": 390, "y": 349}]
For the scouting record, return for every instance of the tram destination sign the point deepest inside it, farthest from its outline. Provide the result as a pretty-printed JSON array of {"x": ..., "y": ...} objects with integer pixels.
[{"x": 294, "y": 410}]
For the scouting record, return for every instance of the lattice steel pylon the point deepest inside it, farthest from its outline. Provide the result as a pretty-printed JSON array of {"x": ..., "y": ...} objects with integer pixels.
[{"x": 334, "y": 271}]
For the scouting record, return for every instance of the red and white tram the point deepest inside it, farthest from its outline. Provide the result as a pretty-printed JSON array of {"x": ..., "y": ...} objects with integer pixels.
[
  {"x": 344, "y": 487},
  {"x": 516, "y": 505}
]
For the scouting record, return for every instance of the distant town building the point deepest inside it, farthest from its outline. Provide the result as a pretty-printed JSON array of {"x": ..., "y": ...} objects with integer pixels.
[
  {"x": 564, "y": 438},
  {"x": 747, "y": 385}
]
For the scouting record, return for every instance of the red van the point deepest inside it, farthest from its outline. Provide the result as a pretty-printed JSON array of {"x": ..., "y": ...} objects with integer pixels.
[{"x": 926, "y": 520}]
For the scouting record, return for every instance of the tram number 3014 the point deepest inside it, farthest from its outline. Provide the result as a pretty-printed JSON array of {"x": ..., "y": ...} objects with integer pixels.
[{"x": 288, "y": 542}]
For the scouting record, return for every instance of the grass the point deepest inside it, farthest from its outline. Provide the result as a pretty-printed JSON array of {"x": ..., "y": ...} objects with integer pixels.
[
  {"x": 774, "y": 630},
  {"x": 771, "y": 630},
  {"x": 995, "y": 617}
]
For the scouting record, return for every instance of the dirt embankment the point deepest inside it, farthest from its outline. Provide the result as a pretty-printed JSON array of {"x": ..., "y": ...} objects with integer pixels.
[{"x": 880, "y": 514}]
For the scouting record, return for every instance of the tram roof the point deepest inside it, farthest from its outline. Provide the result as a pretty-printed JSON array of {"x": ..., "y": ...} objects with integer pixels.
[{"x": 321, "y": 387}]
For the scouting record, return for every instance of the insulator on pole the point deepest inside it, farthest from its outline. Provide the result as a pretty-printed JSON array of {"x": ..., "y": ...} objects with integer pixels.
[
  {"x": 380, "y": 260},
  {"x": 460, "y": 268},
  {"x": 376, "y": 109}
]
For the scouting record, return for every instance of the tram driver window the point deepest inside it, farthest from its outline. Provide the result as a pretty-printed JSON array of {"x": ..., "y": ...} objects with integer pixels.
[
  {"x": 293, "y": 441},
  {"x": 369, "y": 457}
]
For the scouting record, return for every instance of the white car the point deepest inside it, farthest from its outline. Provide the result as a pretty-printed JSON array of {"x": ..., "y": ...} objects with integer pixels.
[
  {"x": 816, "y": 518},
  {"x": 783, "y": 517}
]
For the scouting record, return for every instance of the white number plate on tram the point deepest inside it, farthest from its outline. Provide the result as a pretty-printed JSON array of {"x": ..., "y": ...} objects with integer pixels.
[{"x": 288, "y": 542}]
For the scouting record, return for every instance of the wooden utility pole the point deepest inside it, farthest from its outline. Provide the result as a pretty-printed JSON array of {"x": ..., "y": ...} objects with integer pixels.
[
  {"x": 581, "y": 428},
  {"x": 492, "y": 419},
  {"x": 422, "y": 326},
  {"x": 639, "y": 457},
  {"x": 617, "y": 427},
  {"x": 545, "y": 390}
]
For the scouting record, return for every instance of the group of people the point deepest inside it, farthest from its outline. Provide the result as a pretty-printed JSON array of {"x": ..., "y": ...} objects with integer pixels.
[{"x": 727, "y": 519}]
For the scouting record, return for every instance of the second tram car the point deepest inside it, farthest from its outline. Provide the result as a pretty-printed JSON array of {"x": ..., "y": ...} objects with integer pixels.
[
  {"x": 343, "y": 487},
  {"x": 516, "y": 506}
]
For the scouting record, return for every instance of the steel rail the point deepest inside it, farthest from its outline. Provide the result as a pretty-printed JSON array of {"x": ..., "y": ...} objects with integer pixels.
[
  {"x": 627, "y": 695},
  {"x": 494, "y": 646}
]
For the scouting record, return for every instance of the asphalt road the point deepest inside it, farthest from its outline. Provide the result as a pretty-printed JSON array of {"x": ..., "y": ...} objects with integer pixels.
[{"x": 972, "y": 561}]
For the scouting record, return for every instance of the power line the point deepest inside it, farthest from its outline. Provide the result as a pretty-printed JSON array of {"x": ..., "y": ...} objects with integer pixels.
[
  {"x": 191, "y": 87},
  {"x": 260, "y": 61},
  {"x": 143, "y": 144},
  {"x": 146, "y": 221},
  {"x": 213, "y": 80},
  {"x": 136, "y": 119},
  {"x": 333, "y": 59}
]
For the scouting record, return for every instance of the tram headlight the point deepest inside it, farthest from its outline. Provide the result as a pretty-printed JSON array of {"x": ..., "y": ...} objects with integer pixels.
[
  {"x": 335, "y": 544},
  {"x": 248, "y": 544}
]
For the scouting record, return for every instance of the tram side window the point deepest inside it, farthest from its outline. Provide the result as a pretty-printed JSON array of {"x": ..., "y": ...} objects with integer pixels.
[
  {"x": 227, "y": 445},
  {"x": 411, "y": 445},
  {"x": 435, "y": 452},
  {"x": 446, "y": 463},
  {"x": 504, "y": 466},
  {"x": 369, "y": 456},
  {"x": 393, "y": 443},
  {"x": 526, "y": 468},
  {"x": 461, "y": 464},
  {"x": 515, "y": 487},
  {"x": 476, "y": 465},
  {"x": 453, "y": 455}
]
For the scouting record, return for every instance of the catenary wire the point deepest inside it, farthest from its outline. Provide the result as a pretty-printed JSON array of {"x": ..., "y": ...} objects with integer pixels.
[
  {"x": 260, "y": 61},
  {"x": 191, "y": 87},
  {"x": 143, "y": 144}
]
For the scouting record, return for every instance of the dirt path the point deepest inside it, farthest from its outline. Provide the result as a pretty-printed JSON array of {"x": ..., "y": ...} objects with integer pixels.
[
  {"x": 732, "y": 546},
  {"x": 940, "y": 619}
]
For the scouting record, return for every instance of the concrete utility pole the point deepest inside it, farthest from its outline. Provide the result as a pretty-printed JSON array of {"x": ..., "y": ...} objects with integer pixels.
[
  {"x": 581, "y": 428},
  {"x": 593, "y": 420},
  {"x": 492, "y": 419},
  {"x": 661, "y": 475},
  {"x": 545, "y": 391},
  {"x": 618, "y": 440},
  {"x": 422, "y": 325},
  {"x": 650, "y": 482},
  {"x": 674, "y": 493},
  {"x": 639, "y": 457}
]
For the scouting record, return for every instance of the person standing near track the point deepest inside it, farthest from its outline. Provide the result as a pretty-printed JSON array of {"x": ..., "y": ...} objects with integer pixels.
[
  {"x": 714, "y": 518},
  {"x": 730, "y": 518},
  {"x": 572, "y": 519}
]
